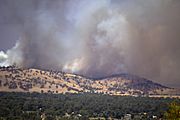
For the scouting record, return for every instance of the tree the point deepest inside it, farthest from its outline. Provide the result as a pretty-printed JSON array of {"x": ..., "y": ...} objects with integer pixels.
[{"x": 173, "y": 112}]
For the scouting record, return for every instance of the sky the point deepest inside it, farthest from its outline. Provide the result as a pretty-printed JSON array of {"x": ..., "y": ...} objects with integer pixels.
[{"x": 94, "y": 38}]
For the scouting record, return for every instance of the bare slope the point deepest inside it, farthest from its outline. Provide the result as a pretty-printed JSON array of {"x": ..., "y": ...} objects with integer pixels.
[{"x": 34, "y": 80}]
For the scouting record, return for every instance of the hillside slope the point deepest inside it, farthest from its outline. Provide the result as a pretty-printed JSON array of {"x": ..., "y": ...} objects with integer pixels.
[{"x": 34, "y": 80}]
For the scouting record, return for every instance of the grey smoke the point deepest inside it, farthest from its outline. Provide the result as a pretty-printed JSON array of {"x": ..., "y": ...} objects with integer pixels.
[{"x": 96, "y": 38}]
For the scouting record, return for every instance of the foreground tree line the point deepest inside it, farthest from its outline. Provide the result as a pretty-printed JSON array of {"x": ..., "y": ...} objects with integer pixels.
[{"x": 36, "y": 106}]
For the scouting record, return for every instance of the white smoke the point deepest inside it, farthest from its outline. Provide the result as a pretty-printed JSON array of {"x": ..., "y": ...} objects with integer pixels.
[
  {"x": 98, "y": 37},
  {"x": 11, "y": 57},
  {"x": 3, "y": 59}
]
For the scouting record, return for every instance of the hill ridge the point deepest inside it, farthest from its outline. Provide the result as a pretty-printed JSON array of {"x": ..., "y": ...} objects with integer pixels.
[{"x": 35, "y": 80}]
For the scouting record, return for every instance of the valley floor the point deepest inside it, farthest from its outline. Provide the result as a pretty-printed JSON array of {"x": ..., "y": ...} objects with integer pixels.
[{"x": 36, "y": 106}]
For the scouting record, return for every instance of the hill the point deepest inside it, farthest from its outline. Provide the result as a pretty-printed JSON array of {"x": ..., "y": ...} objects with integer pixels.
[{"x": 48, "y": 81}]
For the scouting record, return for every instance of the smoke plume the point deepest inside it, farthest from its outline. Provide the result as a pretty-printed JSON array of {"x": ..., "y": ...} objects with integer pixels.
[{"x": 96, "y": 37}]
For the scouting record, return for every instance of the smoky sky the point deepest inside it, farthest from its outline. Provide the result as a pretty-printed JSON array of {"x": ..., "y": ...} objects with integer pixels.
[{"x": 94, "y": 38}]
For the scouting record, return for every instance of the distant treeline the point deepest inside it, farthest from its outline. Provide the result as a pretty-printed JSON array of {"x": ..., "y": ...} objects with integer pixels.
[{"x": 33, "y": 106}]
